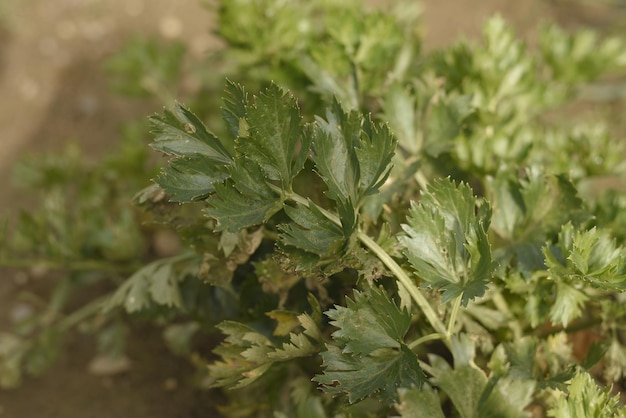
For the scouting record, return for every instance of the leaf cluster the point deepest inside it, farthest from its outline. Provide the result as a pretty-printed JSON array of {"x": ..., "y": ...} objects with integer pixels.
[{"x": 411, "y": 232}]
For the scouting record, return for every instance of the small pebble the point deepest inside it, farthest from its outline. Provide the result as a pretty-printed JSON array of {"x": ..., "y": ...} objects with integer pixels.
[
  {"x": 108, "y": 366},
  {"x": 171, "y": 27},
  {"x": 20, "y": 312},
  {"x": 170, "y": 384},
  {"x": 88, "y": 104},
  {"x": 20, "y": 278},
  {"x": 134, "y": 8},
  {"x": 66, "y": 30}
]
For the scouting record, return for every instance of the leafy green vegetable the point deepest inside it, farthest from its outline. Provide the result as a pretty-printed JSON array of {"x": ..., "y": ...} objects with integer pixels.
[
  {"x": 322, "y": 236},
  {"x": 146, "y": 66},
  {"x": 586, "y": 399},
  {"x": 465, "y": 244},
  {"x": 247, "y": 354},
  {"x": 446, "y": 241},
  {"x": 352, "y": 155},
  {"x": 591, "y": 256},
  {"x": 416, "y": 403},
  {"x": 156, "y": 283},
  {"x": 371, "y": 355},
  {"x": 179, "y": 132},
  {"x": 274, "y": 133}
]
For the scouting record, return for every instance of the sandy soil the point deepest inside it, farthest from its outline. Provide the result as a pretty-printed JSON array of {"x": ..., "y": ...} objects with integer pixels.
[{"x": 52, "y": 89}]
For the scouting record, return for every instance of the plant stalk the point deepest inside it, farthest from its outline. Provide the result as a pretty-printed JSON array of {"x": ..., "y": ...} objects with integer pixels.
[
  {"x": 72, "y": 265},
  {"x": 453, "y": 316},
  {"x": 406, "y": 281},
  {"x": 425, "y": 338},
  {"x": 391, "y": 264}
]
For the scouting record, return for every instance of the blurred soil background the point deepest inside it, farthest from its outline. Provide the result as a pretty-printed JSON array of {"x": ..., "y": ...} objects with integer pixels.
[{"x": 53, "y": 89}]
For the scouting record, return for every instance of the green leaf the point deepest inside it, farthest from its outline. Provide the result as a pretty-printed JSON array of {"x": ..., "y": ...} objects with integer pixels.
[
  {"x": 362, "y": 376},
  {"x": 614, "y": 361},
  {"x": 590, "y": 255},
  {"x": 145, "y": 67},
  {"x": 401, "y": 112},
  {"x": 472, "y": 393},
  {"x": 155, "y": 283},
  {"x": 464, "y": 385},
  {"x": 43, "y": 351},
  {"x": 275, "y": 139},
  {"x": 475, "y": 396},
  {"x": 286, "y": 321},
  {"x": 311, "y": 231},
  {"x": 595, "y": 354},
  {"x": 246, "y": 354},
  {"x": 271, "y": 144},
  {"x": 351, "y": 154},
  {"x": 579, "y": 56},
  {"x": 189, "y": 178},
  {"x": 369, "y": 322},
  {"x": 244, "y": 199},
  {"x": 375, "y": 150},
  {"x": 234, "y": 110},
  {"x": 530, "y": 208},
  {"x": 243, "y": 354},
  {"x": 178, "y": 337},
  {"x": 326, "y": 82},
  {"x": 200, "y": 158},
  {"x": 521, "y": 356},
  {"x": 568, "y": 304},
  {"x": 164, "y": 287},
  {"x": 179, "y": 132},
  {"x": 371, "y": 355},
  {"x": 300, "y": 344},
  {"x": 276, "y": 280},
  {"x": 234, "y": 210},
  {"x": 12, "y": 351},
  {"x": 419, "y": 403},
  {"x": 334, "y": 145},
  {"x": 307, "y": 400},
  {"x": 446, "y": 241},
  {"x": 133, "y": 295},
  {"x": 586, "y": 399},
  {"x": 445, "y": 122}
]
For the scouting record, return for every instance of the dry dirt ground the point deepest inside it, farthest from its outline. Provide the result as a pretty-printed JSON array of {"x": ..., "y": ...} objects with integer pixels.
[{"x": 52, "y": 88}]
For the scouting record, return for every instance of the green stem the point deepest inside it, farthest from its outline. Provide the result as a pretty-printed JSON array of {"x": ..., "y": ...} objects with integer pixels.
[
  {"x": 424, "y": 339},
  {"x": 355, "y": 84},
  {"x": 391, "y": 264},
  {"x": 421, "y": 179},
  {"x": 579, "y": 326},
  {"x": 427, "y": 368},
  {"x": 406, "y": 281},
  {"x": 503, "y": 306},
  {"x": 453, "y": 316},
  {"x": 86, "y": 311},
  {"x": 73, "y": 265}
]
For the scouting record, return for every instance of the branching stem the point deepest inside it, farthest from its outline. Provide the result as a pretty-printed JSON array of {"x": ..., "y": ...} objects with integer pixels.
[
  {"x": 71, "y": 265},
  {"x": 406, "y": 281},
  {"x": 426, "y": 338},
  {"x": 92, "y": 308},
  {"x": 401, "y": 275}
]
